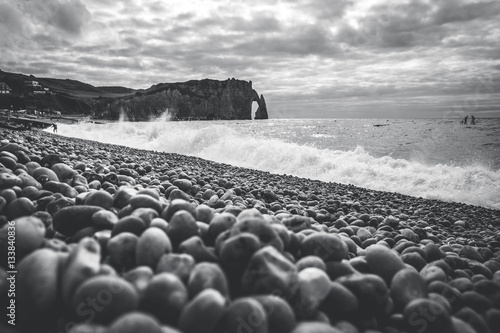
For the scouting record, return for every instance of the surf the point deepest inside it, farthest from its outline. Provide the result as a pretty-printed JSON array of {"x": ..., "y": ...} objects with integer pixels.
[{"x": 472, "y": 184}]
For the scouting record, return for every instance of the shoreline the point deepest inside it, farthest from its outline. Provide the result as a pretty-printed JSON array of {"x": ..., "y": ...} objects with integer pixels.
[{"x": 346, "y": 186}]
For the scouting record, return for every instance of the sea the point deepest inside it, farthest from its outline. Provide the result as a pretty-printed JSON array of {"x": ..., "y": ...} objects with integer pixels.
[{"x": 429, "y": 158}]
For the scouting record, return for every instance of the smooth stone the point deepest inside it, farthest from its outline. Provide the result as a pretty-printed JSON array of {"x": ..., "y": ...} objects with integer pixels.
[
  {"x": 180, "y": 264},
  {"x": 268, "y": 271},
  {"x": 328, "y": 247},
  {"x": 37, "y": 284},
  {"x": 340, "y": 303},
  {"x": 43, "y": 171},
  {"x": 313, "y": 326},
  {"x": 63, "y": 188},
  {"x": 164, "y": 297},
  {"x": 114, "y": 295},
  {"x": 417, "y": 316},
  {"x": 69, "y": 220},
  {"x": 99, "y": 198},
  {"x": 153, "y": 243},
  {"x": 146, "y": 214},
  {"x": 122, "y": 196},
  {"x": 197, "y": 249},
  {"x": 258, "y": 226},
  {"x": 310, "y": 261},
  {"x": 371, "y": 292},
  {"x": 406, "y": 286},
  {"x": 175, "y": 206},
  {"x": 139, "y": 277},
  {"x": 432, "y": 273},
  {"x": 279, "y": 314},
  {"x": 20, "y": 207},
  {"x": 134, "y": 322},
  {"x": 63, "y": 171},
  {"x": 414, "y": 259},
  {"x": 462, "y": 284},
  {"x": 203, "y": 312},
  {"x": 9, "y": 180},
  {"x": 181, "y": 226},
  {"x": 475, "y": 301},
  {"x": 218, "y": 224},
  {"x": 471, "y": 253},
  {"x": 130, "y": 224},
  {"x": 471, "y": 317},
  {"x": 28, "y": 233},
  {"x": 205, "y": 214},
  {"x": 104, "y": 219},
  {"x": 83, "y": 262},
  {"x": 313, "y": 288},
  {"x": 145, "y": 201},
  {"x": 245, "y": 314},
  {"x": 384, "y": 262},
  {"x": 207, "y": 275},
  {"x": 121, "y": 251}
]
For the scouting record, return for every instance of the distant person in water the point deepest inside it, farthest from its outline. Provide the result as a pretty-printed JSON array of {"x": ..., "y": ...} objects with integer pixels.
[
  {"x": 473, "y": 120},
  {"x": 55, "y": 127}
]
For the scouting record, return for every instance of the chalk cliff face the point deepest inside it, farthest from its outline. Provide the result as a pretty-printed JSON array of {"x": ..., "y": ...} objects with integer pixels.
[
  {"x": 191, "y": 100},
  {"x": 197, "y": 99}
]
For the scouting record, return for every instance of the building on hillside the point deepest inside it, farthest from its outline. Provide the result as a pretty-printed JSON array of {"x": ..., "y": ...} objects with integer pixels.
[
  {"x": 4, "y": 88},
  {"x": 34, "y": 86}
]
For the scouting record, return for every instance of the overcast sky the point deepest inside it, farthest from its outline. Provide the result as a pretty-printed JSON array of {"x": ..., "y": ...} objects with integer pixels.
[{"x": 310, "y": 58}]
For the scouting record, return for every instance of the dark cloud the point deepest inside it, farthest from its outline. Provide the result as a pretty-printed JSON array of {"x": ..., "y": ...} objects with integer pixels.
[
  {"x": 10, "y": 20},
  {"x": 457, "y": 11},
  {"x": 322, "y": 9},
  {"x": 71, "y": 16},
  {"x": 300, "y": 40},
  {"x": 261, "y": 22}
]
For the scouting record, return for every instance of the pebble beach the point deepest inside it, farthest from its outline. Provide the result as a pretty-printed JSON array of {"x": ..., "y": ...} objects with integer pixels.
[{"x": 116, "y": 239}]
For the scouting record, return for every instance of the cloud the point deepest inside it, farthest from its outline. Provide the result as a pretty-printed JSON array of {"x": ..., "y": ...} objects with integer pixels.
[
  {"x": 335, "y": 55},
  {"x": 301, "y": 40},
  {"x": 459, "y": 11},
  {"x": 322, "y": 9},
  {"x": 71, "y": 16}
]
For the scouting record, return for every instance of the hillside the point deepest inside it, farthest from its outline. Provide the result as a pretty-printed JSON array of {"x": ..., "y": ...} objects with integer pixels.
[
  {"x": 193, "y": 100},
  {"x": 64, "y": 95}
]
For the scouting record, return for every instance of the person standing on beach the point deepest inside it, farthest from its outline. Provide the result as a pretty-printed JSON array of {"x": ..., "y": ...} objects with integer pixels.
[
  {"x": 55, "y": 127},
  {"x": 465, "y": 120},
  {"x": 473, "y": 120}
]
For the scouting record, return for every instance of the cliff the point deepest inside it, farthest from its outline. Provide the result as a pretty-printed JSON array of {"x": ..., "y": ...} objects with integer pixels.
[{"x": 191, "y": 100}]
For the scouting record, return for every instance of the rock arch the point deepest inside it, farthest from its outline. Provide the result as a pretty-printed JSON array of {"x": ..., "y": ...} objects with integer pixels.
[{"x": 261, "y": 112}]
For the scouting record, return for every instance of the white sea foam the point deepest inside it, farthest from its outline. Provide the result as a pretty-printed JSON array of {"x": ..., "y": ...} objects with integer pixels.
[{"x": 473, "y": 184}]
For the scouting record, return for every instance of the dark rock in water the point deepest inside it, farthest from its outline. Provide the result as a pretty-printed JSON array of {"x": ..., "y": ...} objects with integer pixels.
[{"x": 261, "y": 112}]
